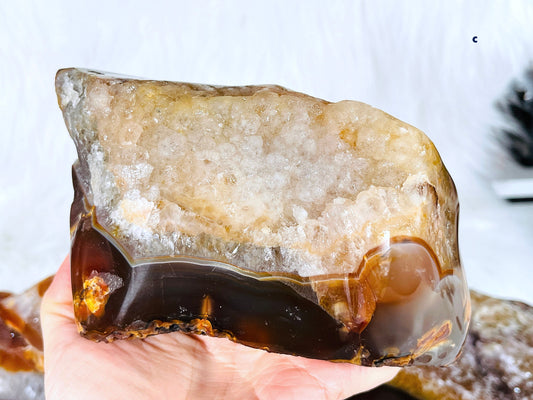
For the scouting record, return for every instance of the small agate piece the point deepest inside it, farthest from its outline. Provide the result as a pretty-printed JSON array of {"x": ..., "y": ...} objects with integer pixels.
[{"x": 21, "y": 344}]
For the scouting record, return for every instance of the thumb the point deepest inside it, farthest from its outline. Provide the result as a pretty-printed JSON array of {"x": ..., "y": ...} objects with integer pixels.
[
  {"x": 57, "y": 310},
  {"x": 342, "y": 380}
]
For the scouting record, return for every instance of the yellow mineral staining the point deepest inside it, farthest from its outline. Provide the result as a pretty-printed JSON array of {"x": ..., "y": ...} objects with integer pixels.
[
  {"x": 203, "y": 326},
  {"x": 95, "y": 295},
  {"x": 207, "y": 306},
  {"x": 350, "y": 300},
  {"x": 433, "y": 338}
]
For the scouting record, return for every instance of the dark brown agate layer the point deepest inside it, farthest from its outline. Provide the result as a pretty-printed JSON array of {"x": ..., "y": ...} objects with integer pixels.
[
  {"x": 195, "y": 296},
  {"x": 400, "y": 317}
]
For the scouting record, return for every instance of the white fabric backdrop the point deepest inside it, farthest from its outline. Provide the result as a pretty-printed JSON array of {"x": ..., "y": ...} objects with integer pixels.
[{"x": 415, "y": 60}]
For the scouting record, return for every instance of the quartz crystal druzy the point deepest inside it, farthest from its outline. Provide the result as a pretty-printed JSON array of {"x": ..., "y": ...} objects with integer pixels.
[{"x": 272, "y": 218}]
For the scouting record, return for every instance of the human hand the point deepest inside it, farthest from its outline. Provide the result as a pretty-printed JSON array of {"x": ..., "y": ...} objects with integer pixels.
[{"x": 180, "y": 366}]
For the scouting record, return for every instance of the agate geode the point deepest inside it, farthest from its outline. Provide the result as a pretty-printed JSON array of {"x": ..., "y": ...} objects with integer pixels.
[{"x": 278, "y": 220}]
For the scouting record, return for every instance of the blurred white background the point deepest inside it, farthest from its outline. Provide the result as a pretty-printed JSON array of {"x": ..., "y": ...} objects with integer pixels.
[{"x": 415, "y": 60}]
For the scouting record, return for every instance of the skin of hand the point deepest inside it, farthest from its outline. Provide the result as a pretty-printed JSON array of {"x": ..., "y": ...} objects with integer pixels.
[{"x": 180, "y": 366}]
